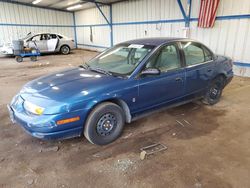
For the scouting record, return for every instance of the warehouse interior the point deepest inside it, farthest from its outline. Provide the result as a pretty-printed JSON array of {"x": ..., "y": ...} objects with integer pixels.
[{"x": 211, "y": 150}]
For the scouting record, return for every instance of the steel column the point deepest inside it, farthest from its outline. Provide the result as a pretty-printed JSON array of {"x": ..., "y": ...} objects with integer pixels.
[
  {"x": 109, "y": 22},
  {"x": 74, "y": 22}
]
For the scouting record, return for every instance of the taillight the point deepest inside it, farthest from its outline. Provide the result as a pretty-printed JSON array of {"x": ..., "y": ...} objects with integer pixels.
[{"x": 231, "y": 62}]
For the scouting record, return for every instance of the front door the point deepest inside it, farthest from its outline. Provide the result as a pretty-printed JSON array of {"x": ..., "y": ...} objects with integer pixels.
[
  {"x": 164, "y": 88},
  {"x": 39, "y": 42}
]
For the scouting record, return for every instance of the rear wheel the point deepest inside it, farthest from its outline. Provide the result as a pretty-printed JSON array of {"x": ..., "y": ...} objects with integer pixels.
[
  {"x": 104, "y": 124},
  {"x": 19, "y": 59},
  {"x": 214, "y": 91},
  {"x": 65, "y": 50},
  {"x": 33, "y": 58}
]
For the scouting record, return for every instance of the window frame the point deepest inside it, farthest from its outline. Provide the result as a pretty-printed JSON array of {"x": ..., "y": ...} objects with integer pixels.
[
  {"x": 178, "y": 50},
  {"x": 198, "y": 45}
]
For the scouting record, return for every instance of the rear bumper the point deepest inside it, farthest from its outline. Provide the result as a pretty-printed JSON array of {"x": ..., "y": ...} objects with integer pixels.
[
  {"x": 230, "y": 76},
  {"x": 6, "y": 51},
  {"x": 229, "y": 79},
  {"x": 45, "y": 127}
]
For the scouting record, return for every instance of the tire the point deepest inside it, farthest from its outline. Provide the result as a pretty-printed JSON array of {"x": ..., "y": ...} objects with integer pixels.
[
  {"x": 19, "y": 59},
  {"x": 104, "y": 124},
  {"x": 33, "y": 58},
  {"x": 214, "y": 91},
  {"x": 65, "y": 50}
]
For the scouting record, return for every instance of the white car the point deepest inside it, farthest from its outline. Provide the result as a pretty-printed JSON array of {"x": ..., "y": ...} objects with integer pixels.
[{"x": 45, "y": 42}]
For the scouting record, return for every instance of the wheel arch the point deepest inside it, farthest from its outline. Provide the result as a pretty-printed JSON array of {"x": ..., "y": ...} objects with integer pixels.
[
  {"x": 63, "y": 46},
  {"x": 223, "y": 75},
  {"x": 121, "y": 103}
]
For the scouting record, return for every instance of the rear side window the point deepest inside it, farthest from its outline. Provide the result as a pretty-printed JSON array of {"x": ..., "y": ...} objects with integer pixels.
[
  {"x": 53, "y": 36},
  {"x": 208, "y": 55},
  {"x": 59, "y": 36},
  {"x": 194, "y": 53}
]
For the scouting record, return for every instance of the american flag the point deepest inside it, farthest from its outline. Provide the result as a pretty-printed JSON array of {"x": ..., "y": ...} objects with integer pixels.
[{"x": 207, "y": 14}]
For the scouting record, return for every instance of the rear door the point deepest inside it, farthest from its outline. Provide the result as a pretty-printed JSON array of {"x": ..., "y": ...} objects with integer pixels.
[
  {"x": 169, "y": 85},
  {"x": 199, "y": 67}
]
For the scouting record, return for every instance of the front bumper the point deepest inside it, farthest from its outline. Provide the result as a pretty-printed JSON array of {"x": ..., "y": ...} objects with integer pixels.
[{"x": 44, "y": 126}]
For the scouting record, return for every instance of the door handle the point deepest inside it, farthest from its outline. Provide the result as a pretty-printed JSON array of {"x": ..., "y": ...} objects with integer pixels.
[
  {"x": 178, "y": 79},
  {"x": 209, "y": 70}
]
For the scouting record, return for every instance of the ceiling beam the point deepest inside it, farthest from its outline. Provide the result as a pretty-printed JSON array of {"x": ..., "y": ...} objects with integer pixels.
[{"x": 93, "y": 1}]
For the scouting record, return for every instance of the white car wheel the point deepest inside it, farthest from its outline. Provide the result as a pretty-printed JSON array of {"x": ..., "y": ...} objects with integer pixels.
[{"x": 65, "y": 50}]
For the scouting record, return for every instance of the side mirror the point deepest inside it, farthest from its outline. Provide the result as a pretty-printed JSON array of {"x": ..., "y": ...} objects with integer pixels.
[{"x": 150, "y": 71}]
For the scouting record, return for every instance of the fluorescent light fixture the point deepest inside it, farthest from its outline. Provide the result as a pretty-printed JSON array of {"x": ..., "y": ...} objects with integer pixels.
[
  {"x": 74, "y": 7},
  {"x": 36, "y": 1}
]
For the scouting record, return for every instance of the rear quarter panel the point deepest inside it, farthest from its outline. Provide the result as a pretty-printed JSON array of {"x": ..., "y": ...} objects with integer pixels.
[
  {"x": 62, "y": 42},
  {"x": 223, "y": 65}
]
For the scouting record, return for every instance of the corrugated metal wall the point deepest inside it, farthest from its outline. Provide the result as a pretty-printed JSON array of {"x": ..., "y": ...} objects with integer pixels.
[
  {"x": 146, "y": 18},
  {"x": 151, "y": 12},
  {"x": 91, "y": 19},
  {"x": 17, "y": 20},
  {"x": 230, "y": 35}
]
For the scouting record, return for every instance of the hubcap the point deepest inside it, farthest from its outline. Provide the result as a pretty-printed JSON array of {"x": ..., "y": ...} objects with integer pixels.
[
  {"x": 65, "y": 50},
  {"x": 106, "y": 124},
  {"x": 215, "y": 92}
]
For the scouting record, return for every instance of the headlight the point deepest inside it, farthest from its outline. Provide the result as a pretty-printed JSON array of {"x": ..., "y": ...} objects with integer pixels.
[{"x": 33, "y": 108}]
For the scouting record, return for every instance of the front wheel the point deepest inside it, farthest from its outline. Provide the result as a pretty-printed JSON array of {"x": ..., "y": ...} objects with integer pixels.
[
  {"x": 214, "y": 91},
  {"x": 19, "y": 59},
  {"x": 104, "y": 124}
]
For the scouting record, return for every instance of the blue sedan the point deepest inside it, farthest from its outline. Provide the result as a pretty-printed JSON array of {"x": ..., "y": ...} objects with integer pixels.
[{"x": 118, "y": 86}]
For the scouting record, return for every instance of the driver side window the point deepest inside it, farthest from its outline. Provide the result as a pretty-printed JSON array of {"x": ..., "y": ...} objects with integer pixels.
[{"x": 166, "y": 59}]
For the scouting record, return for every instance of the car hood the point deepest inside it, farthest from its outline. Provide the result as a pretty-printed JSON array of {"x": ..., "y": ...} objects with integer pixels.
[{"x": 67, "y": 87}]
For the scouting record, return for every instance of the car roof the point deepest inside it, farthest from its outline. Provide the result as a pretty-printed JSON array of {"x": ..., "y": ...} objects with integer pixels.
[
  {"x": 156, "y": 41},
  {"x": 33, "y": 34}
]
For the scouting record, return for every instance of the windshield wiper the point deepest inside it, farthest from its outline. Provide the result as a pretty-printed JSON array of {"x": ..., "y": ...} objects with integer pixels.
[
  {"x": 85, "y": 66},
  {"x": 99, "y": 70}
]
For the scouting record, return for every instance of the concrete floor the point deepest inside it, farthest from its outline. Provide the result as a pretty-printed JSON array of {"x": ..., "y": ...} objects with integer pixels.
[{"x": 212, "y": 151}]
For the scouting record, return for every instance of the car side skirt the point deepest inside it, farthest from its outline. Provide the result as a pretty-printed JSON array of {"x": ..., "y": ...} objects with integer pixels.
[{"x": 152, "y": 111}]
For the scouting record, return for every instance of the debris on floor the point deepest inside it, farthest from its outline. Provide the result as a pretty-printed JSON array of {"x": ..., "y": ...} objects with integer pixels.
[
  {"x": 127, "y": 136},
  {"x": 187, "y": 122},
  {"x": 151, "y": 149},
  {"x": 2, "y": 159},
  {"x": 48, "y": 149},
  {"x": 123, "y": 164},
  {"x": 183, "y": 122},
  {"x": 143, "y": 155},
  {"x": 180, "y": 123},
  {"x": 101, "y": 155},
  {"x": 30, "y": 182}
]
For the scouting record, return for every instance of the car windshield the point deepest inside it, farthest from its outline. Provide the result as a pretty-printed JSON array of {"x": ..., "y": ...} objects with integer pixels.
[{"x": 121, "y": 59}]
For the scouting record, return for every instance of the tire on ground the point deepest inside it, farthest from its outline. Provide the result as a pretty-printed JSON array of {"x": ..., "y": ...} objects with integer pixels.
[
  {"x": 92, "y": 123},
  {"x": 65, "y": 49},
  {"x": 19, "y": 59},
  {"x": 214, "y": 91}
]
